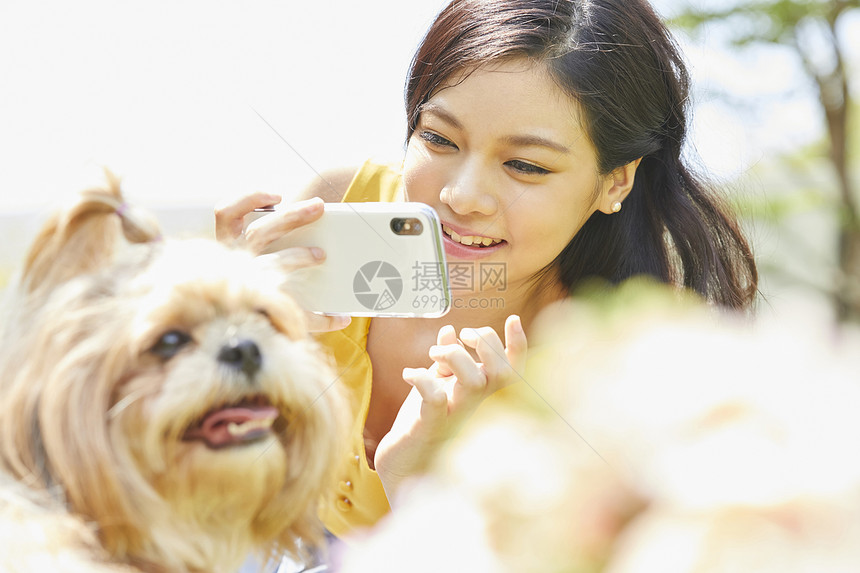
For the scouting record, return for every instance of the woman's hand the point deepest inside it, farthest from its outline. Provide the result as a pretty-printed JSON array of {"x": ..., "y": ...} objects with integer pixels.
[
  {"x": 230, "y": 221},
  {"x": 446, "y": 395},
  {"x": 230, "y": 226}
]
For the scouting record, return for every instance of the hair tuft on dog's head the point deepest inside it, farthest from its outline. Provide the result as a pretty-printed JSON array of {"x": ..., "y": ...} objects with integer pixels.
[{"x": 85, "y": 236}]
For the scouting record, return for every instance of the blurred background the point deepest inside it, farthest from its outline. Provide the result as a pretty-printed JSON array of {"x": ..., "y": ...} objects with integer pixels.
[{"x": 192, "y": 102}]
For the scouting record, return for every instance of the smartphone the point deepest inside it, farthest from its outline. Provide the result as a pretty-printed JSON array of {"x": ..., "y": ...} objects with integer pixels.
[{"x": 382, "y": 259}]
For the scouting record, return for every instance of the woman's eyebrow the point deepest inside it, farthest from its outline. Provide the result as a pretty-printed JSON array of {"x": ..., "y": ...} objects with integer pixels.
[
  {"x": 532, "y": 140},
  {"x": 517, "y": 140},
  {"x": 441, "y": 113}
]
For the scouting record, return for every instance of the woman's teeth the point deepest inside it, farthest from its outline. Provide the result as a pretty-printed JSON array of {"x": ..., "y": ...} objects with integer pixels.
[{"x": 470, "y": 240}]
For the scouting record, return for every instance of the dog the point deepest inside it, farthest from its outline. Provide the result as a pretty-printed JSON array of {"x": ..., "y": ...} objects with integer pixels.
[{"x": 162, "y": 405}]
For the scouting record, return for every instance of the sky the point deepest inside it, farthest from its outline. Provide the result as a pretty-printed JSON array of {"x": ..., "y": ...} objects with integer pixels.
[
  {"x": 193, "y": 102},
  {"x": 167, "y": 94}
]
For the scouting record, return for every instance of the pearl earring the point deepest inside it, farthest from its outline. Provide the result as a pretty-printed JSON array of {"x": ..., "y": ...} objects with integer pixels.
[{"x": 616, "y": 206}]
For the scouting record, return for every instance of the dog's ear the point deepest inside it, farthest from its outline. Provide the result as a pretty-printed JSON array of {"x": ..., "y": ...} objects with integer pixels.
[{"x": 84, "y": 237}]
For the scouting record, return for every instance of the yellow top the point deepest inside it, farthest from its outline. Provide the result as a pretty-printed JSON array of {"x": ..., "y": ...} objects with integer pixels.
[{"x": 359, "y": 500}]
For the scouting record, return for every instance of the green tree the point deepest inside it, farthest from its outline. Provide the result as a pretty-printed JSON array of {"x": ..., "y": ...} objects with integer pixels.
[{"x": 812, "y": 30}]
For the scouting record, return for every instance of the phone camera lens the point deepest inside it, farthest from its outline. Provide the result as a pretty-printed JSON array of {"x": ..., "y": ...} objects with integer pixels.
[{"x": 406, "y": 226}]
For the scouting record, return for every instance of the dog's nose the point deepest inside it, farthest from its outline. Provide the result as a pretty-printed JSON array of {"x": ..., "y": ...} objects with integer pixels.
[{"x": 243, "y": 355}]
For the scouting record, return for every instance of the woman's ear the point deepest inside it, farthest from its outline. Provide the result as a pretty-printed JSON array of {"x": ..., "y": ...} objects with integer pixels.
[{"x": 617, "y": 186}]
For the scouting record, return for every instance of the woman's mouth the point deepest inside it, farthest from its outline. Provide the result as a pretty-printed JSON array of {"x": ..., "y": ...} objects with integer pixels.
[
  {"x": 460, "y": 245},
  {"x": 470, "y": 240}
]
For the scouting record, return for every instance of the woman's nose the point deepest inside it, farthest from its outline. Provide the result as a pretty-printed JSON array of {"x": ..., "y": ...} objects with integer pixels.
[{"x": 471, "y": 191}]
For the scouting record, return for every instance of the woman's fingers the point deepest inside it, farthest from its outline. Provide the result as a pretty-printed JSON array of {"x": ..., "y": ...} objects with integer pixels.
[
  {"x": 294, "y": 258},
  {"x": 434, "y": 398},
  {"x": 516, "y": 344},
  {"x": 447, "y": 335},
  {"x": 498, "y": 363},
  {"x": 456, "y": 360},
  {"x": 501, "y": 363},
  {"x": 490, "y": 350},
  {"x": 327, "y": 322},
  {"x": 445, "y": 395},
  {"x": 229, "y": 217},
  {"x": 264, "y": 231}
]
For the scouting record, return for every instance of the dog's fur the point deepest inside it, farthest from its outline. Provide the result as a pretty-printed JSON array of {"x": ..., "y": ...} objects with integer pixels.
[{"x": 113, "y": 353}]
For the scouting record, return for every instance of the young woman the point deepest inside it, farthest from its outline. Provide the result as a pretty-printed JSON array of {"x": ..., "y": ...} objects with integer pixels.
[{"x": 547, "y": 134}]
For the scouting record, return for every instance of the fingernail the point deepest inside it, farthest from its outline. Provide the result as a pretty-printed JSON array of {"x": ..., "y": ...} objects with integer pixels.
[
  {"x": 317, "y": 253},
  {"x": 435, "y": 352},
  {"x": 312, "y": 203},
  {"x": 468, "y": 333},
  {"x": 342, "y": 320}
]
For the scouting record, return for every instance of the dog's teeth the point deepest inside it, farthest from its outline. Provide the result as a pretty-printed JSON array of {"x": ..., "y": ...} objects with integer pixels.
[{"x": 237, "y": 430}]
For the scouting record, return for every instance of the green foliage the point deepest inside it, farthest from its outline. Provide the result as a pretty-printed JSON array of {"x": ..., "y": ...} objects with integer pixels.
[
  {"x": 775, "y": 208},
  {"x": 772, "y": 21},
  {"x": 803, "y": 184}
]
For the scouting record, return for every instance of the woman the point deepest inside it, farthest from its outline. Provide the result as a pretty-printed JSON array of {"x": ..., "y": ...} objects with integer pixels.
[{"x": 547, "y": 134}]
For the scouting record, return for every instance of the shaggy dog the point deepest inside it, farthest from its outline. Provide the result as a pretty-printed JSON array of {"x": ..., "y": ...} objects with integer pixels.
[{"x": 162, "y": 406}]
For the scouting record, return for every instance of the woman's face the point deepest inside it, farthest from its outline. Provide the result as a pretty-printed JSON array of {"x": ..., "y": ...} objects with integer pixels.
[{"x": 503, "y": 159}]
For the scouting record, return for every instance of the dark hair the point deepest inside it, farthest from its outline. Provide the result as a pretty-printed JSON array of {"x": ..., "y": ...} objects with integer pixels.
[{"x": 618, "y": 61}]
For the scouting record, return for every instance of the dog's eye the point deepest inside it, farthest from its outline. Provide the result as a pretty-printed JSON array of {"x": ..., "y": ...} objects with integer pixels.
[{"x": 170, "y": 343}]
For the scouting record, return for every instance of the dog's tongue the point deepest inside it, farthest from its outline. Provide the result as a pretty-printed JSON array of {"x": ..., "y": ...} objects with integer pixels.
[{"x": 234, "y": 425}]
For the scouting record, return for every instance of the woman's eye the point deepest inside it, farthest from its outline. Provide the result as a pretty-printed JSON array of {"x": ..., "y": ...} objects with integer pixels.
[
  {"x": 435, "y": 139},
  {"x": 169, "y": 344},
  {"x": 526, "y": 168}
]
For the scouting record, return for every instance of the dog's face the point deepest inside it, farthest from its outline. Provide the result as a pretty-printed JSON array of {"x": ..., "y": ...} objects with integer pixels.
[{"x": 177, "y": 400}]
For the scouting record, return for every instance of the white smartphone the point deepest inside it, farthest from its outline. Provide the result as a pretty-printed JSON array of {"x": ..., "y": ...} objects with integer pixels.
[{"x": 382, "y": 259}]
